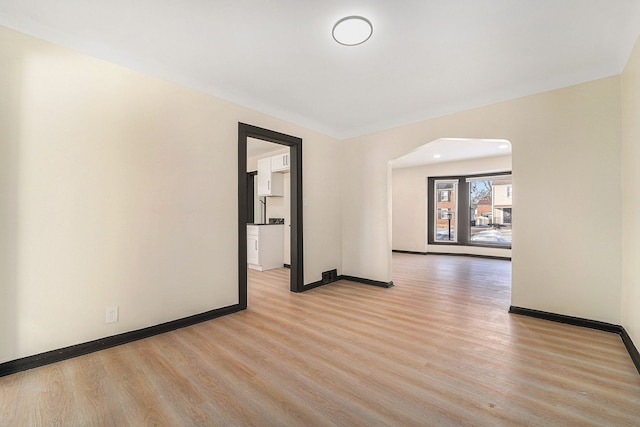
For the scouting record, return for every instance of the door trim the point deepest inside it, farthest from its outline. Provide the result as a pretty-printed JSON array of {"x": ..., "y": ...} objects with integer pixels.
[{"x": 295, "y": 145}]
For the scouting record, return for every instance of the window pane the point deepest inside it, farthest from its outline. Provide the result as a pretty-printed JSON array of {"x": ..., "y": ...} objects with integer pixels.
[
  {"x": 490, "y": 210},
  {"x": 446, "y": 210}
]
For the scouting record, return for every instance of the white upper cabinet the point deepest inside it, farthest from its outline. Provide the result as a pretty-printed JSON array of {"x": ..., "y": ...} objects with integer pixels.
[
  {"x": 280, "y": 163},
  {"x": 269, "y": 183}
]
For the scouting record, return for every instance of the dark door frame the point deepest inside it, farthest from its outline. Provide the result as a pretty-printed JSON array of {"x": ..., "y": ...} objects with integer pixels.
[{"x": 295, "y": 146}]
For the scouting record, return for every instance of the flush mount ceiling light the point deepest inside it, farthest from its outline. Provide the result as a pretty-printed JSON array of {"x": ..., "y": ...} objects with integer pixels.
[{"x": 352, "y": 30}]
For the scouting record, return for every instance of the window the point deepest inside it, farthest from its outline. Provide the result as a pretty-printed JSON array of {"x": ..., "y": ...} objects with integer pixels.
[
  {"x": 444, "y": 213},
  {"x": 445, "y": 210},
  {"x": 490, "y": 204},
  {"x": 486, "y": 216},
  {"x": 507, "y": 215}
]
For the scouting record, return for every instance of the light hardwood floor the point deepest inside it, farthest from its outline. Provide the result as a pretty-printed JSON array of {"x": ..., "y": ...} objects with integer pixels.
[{"x": 437, "y": 349}]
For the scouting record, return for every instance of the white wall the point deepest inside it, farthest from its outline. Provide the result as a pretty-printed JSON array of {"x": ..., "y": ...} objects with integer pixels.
[
  {"x": 409, "y": 200},
  {"x": 121, "y": 189},
  {"x": 566, "y": 169},
  {"x": 280, "y": 207},
  {"x": 631, "y": 195}
]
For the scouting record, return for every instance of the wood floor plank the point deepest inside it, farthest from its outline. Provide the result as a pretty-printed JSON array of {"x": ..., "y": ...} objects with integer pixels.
[{"x": 440, "y": 348}]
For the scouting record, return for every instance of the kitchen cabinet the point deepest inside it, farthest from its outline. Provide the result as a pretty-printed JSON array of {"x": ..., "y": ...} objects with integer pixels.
[
  {"x": 269, "y": 183},
  {"x": 252, "y": 249},
  {"x": 280, "y": 163},
  {"x": 265, "y": 246}
]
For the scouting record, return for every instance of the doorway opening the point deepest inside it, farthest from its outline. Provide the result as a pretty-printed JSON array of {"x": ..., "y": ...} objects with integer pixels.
[{"x": 246, "y": 131}]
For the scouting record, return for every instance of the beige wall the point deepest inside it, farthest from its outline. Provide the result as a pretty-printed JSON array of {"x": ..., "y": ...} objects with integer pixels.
[
  {"x": 409, "y": 201},
  {"x": 121, "y": 189},
  {"x": 118, "y": 188},
  {"x": 631, "y": 196},
  {"x": 566, "y": 162}
]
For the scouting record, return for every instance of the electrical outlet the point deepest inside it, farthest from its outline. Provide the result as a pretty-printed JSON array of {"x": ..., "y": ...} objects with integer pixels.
[{"x": 112, "y": 314}]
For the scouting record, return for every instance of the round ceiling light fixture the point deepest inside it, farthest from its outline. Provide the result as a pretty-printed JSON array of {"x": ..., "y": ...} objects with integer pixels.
[{"x": 352, "y": 30}]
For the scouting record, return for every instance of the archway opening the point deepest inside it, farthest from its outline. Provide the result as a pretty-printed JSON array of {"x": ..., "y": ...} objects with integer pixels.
[{"x": 453, "y": 195}]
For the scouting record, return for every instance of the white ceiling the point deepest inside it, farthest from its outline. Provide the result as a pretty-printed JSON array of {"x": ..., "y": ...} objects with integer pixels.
[
  {"x": 453, "y": 149},
  {"x": 259, "y": 147},
  {"x": 426, "y": 57}
]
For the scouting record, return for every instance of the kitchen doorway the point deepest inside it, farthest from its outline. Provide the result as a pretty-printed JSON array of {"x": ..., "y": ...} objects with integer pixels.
[{"x": 245, "y": 132}]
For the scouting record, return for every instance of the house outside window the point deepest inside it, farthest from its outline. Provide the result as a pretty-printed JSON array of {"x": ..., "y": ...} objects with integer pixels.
[{"x": 445, "y": 212}]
